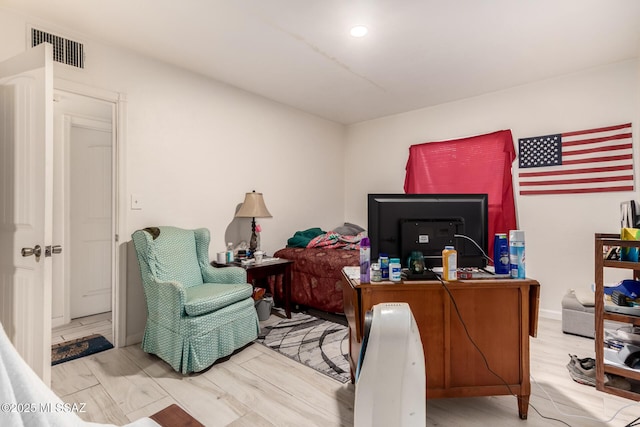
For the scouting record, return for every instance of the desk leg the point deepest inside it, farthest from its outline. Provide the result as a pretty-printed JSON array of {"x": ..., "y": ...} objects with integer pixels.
[
  {"x": 286, "y": 290},
  {"x": 523, "y": 406}
]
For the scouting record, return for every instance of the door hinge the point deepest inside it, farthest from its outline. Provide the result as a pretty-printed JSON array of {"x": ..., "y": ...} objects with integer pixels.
[{"x": 117, "y": 238}]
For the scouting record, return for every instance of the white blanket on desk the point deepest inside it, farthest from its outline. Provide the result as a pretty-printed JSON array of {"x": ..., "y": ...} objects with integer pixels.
[{"x": 26, "y": 401}]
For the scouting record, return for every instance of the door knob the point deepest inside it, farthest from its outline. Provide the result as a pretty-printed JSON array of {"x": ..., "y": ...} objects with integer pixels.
[
  {"x": 36, "y": 250},
  {"x": 55, "y": 249}
]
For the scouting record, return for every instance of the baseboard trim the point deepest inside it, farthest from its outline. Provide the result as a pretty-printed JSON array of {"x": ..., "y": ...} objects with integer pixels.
[
  {"x": 133, "y": 339},
  {"x": 57, "y": 321},
  {"x": 551, "y": 314}
]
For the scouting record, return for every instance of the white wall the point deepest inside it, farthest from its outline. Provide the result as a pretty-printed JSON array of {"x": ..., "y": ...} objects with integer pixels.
[
  {"x": 194, "y": 147},
  {"x": 559, "y": 229}
]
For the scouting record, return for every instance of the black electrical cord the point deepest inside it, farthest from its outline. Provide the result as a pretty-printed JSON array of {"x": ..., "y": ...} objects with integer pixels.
[
  {"x": 484, "y": 254},
  {"x": 634, "y": 423},
  {"x": 486, "y": 362}
]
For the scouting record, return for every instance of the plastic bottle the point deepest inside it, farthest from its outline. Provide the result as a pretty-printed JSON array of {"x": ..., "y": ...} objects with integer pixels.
[
  {"x": 365, "y": 260},
  {"x": 395, "y": 270},
  {"x": 501, "y": 254},
  {"x": 449, "y": 264},
  {"x": 376, "y": 274},
  {"x": 230, "y": 253},
  {"x": 516, "y": 254},
  {"x": 383, "y": 260}
]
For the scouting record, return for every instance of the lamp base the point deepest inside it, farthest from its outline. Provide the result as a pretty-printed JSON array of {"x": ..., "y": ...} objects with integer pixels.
[{"x": 253, "y": 243}]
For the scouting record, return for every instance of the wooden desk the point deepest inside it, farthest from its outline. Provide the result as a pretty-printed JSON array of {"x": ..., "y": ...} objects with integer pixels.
[{"x": 499, "y": 315}]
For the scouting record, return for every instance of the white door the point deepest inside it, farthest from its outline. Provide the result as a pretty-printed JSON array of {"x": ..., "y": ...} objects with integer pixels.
[
  {"x": 26, "y": 144},
  {"x": 90, "y": 207}
]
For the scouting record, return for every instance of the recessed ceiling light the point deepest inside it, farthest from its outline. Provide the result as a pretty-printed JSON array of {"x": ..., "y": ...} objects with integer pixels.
[{"x": 359, "y": 31}]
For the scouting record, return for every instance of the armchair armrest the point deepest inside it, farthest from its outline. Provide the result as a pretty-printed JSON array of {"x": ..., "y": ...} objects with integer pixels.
[
  {"x": 231, "y": 274},
  {"x": 168, "y": 303}
]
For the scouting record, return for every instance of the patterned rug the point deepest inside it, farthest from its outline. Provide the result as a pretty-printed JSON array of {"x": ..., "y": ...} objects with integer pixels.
[
  {"x": 74, "y": 349},
  {"x": 317, "y": 343}
]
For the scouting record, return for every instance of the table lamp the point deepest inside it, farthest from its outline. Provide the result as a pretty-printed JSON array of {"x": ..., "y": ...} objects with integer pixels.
[{"x": 253, "y": 207}]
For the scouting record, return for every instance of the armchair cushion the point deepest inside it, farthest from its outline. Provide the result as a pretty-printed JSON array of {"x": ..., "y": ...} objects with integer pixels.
[{"x": 214, "y": 296}]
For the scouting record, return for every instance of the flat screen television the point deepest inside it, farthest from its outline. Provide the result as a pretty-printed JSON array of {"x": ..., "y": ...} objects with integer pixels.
[{"x": 399, "y": 224}]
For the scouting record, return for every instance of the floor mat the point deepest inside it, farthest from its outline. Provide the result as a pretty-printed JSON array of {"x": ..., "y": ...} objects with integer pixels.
[{"x": 74, "y": 349}]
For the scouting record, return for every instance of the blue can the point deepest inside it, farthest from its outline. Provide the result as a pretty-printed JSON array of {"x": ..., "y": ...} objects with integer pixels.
[
  {"x": 516, "y": 254},
  {"x": 501, "y": 253}
]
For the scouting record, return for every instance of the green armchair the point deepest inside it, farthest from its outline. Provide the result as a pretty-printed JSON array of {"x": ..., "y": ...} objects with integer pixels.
[{"x": 196, "y": 313}]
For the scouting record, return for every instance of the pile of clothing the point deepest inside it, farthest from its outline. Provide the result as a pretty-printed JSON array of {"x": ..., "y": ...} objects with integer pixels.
[
  {"x": 583, "y": 371},
  {"x": 347, "y": 236}
]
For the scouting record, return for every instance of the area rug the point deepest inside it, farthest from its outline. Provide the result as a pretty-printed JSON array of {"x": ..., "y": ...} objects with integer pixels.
[
  {"x": 74, "y": 349},
  {"x": 320, "y": 344}
]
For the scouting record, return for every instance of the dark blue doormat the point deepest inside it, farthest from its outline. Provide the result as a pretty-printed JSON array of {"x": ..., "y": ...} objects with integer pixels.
[{"x": 75, "y": 349}]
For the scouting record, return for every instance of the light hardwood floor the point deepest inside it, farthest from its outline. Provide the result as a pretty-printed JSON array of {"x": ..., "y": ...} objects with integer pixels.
[
  {"x": 259, "y": 387},
  {"x": 83, "y": 327}
]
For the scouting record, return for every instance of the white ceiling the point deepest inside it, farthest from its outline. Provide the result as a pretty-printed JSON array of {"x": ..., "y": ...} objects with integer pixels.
[{"x": 418, "y": 53}]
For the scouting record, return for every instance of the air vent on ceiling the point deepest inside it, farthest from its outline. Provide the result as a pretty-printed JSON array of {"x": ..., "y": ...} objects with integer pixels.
[{"x": 64, "y": 50}]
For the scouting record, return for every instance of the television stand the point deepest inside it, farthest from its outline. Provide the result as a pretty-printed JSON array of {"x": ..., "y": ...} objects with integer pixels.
[{"x": 499, "y": 314}]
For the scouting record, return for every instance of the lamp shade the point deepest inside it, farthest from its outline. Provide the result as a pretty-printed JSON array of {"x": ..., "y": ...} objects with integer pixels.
[{"x": 253, "y": 207}]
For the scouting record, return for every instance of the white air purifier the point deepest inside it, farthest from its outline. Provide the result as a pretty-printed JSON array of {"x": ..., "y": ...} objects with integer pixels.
[{"x": 390, "y": 377}]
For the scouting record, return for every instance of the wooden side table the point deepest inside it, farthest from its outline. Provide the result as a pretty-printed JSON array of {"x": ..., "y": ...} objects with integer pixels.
[{"x": 258, "y": 273}]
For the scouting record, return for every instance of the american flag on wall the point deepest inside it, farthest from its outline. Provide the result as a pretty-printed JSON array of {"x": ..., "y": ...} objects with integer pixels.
[{"x": 587, "y": 161}]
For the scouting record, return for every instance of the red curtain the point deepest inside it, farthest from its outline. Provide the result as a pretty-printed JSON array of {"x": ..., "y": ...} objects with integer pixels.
[{"x": 479, "y": 164}]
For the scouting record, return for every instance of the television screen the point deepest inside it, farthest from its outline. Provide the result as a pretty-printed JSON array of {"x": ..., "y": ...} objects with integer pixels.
[{"x": 399, "y": 224}]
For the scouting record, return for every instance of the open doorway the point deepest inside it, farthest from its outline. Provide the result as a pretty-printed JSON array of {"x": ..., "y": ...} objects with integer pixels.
[{"x": 84, "y": 216}]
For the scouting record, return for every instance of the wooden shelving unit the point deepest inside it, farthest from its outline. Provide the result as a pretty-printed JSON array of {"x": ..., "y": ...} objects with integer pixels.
[{"x": 602, "y": 368}]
